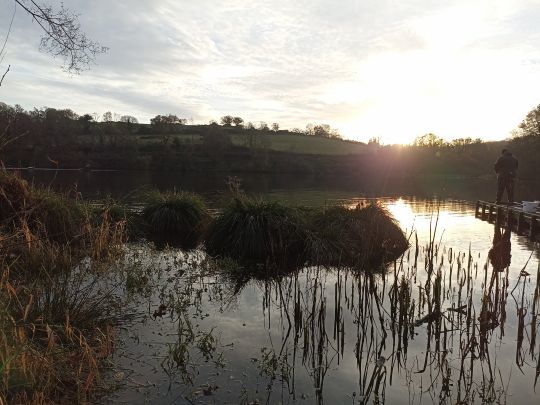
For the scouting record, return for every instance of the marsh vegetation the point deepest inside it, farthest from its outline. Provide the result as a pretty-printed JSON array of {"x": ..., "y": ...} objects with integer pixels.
[{"x": 251, "y": 301}]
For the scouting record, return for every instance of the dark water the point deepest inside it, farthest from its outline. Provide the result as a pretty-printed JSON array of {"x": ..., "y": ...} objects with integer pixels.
[
  {"x": 295, "y": 187},
  {"x": 454, "y": 321}
]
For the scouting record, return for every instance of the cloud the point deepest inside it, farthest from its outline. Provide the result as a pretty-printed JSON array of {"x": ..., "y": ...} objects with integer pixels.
[{"x": 370, "y": 67}]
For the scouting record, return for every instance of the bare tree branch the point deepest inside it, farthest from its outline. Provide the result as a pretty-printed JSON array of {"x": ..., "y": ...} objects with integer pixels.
[
  {"x": 2, "y": 51},
  {"x": 4, "y": 75},
  {"x": 63, "y": 36}
]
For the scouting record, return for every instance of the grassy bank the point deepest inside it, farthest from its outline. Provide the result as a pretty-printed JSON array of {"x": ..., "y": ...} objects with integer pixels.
[{"x": 56, "y": 320}]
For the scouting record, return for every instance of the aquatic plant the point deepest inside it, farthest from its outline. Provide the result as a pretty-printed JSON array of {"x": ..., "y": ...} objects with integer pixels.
[
  {"x": 360, "y": 236},
  {"x": 257, "y": 231},
  {"x": 382, "y": 238},
  {"x": 176, "y": 217}
]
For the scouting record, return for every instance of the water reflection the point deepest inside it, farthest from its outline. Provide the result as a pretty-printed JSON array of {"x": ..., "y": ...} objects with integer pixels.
[
  {"x": 500, "y": 253},
  {"x": 295, "y": 187},
  {"x": 453, "y": 321}
]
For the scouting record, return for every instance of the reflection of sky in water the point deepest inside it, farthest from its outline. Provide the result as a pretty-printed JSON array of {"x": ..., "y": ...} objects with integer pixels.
[{"x": 247, "y": 322}]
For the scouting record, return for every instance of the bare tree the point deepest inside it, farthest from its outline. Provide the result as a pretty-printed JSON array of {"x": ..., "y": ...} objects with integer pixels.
[{"x": 62, "y": 35}]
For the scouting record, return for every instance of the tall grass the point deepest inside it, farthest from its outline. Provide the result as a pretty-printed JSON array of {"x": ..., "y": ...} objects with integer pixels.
[
  {"x": 56, "y": 317},
  {"x": 176, "y": 217},
  {"x": 270, "y": 232},
  {"x": 257, "y": 231}
]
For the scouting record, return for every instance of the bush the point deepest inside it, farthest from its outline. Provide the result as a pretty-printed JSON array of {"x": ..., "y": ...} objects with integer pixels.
[{"x": 178, "y": 218}]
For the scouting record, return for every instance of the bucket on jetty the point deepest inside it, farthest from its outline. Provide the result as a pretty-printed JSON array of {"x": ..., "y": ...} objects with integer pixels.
[{"x": 530, "y": 206}]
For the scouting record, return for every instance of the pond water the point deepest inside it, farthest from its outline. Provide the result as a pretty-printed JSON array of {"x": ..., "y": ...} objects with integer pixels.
[{"x": 454, "y": 321}]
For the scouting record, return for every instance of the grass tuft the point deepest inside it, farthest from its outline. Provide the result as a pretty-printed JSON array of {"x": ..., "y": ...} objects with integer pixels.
[
  {"x": 178, "y": 218},
  {"x": 363, "y": 236},
  {"x": 257, "y": 231}
]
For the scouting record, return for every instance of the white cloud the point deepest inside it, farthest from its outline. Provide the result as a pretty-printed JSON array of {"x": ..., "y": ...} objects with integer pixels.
[{"x": 370, "y": 67}]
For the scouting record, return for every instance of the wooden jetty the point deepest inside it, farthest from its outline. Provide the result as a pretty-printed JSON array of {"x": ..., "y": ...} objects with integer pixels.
[{"x": 512, "y": 216}]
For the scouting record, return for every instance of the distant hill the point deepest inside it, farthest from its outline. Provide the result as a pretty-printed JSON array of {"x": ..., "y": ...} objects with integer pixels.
[{"x": 282, "y": 141}]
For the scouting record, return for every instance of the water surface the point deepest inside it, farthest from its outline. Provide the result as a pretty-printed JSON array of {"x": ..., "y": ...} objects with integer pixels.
[{"x": 454, "y": 321}]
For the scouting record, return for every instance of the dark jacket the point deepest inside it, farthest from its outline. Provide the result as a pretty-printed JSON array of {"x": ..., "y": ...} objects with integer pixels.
[{"x": 506, "y": 165}]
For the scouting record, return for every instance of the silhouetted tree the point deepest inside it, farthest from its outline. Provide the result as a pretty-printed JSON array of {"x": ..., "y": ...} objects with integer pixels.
[
  {"x": 107, "y": 117},
  {"x": 275, "y": 127},
  {"x": 237, "y": 121},
  {"x": 227, "y": 120},
  {"x": 429, "y": 140},
  {"x": 263, "y": 126},
  {"x": 130, "y": 122},
  {"x": 322, "y": 131},
  {"x": 129, "y": 119},
  {"x": 166, "y": 123},
  {"x": 86, "y": 121},
  {"x": 530, "y": 126}
]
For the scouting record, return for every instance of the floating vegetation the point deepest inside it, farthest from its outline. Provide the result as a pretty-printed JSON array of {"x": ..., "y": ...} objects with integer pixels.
[{"x": 178, "y": 218}]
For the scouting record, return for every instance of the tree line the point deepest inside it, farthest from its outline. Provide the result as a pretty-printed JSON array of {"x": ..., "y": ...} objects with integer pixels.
[{"x": 62, "y": 123}]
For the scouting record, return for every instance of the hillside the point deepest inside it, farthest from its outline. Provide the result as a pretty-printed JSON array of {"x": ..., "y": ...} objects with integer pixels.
[{"x": 279, "y": 142}]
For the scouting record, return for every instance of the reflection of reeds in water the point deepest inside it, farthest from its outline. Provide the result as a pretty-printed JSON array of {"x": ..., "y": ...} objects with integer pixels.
[
  {"x": 454, "y": 305},
  {"x": 435, "y": 320}
]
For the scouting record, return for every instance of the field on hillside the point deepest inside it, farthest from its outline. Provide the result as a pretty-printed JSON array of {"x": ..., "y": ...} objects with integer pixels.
[{"x": 278, "y": 142}]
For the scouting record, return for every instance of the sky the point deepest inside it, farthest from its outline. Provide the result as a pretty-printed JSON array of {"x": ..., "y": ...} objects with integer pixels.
[{"x": 370, "y": 68}]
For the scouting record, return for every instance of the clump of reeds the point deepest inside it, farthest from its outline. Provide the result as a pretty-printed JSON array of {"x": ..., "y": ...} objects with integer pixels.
[
  {"x": 361, "y": 236},
  {"x": 273, "y": 233},
  {"x": 257, "y": 231},
  {"x": 117, "y": 212},
  {"x": 383, "y": 240},
  {"x": 177, "y": 217}
]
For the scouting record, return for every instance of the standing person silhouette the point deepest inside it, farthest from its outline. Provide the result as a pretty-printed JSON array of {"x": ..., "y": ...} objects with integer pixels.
[{"x": 506, "y": 168}]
